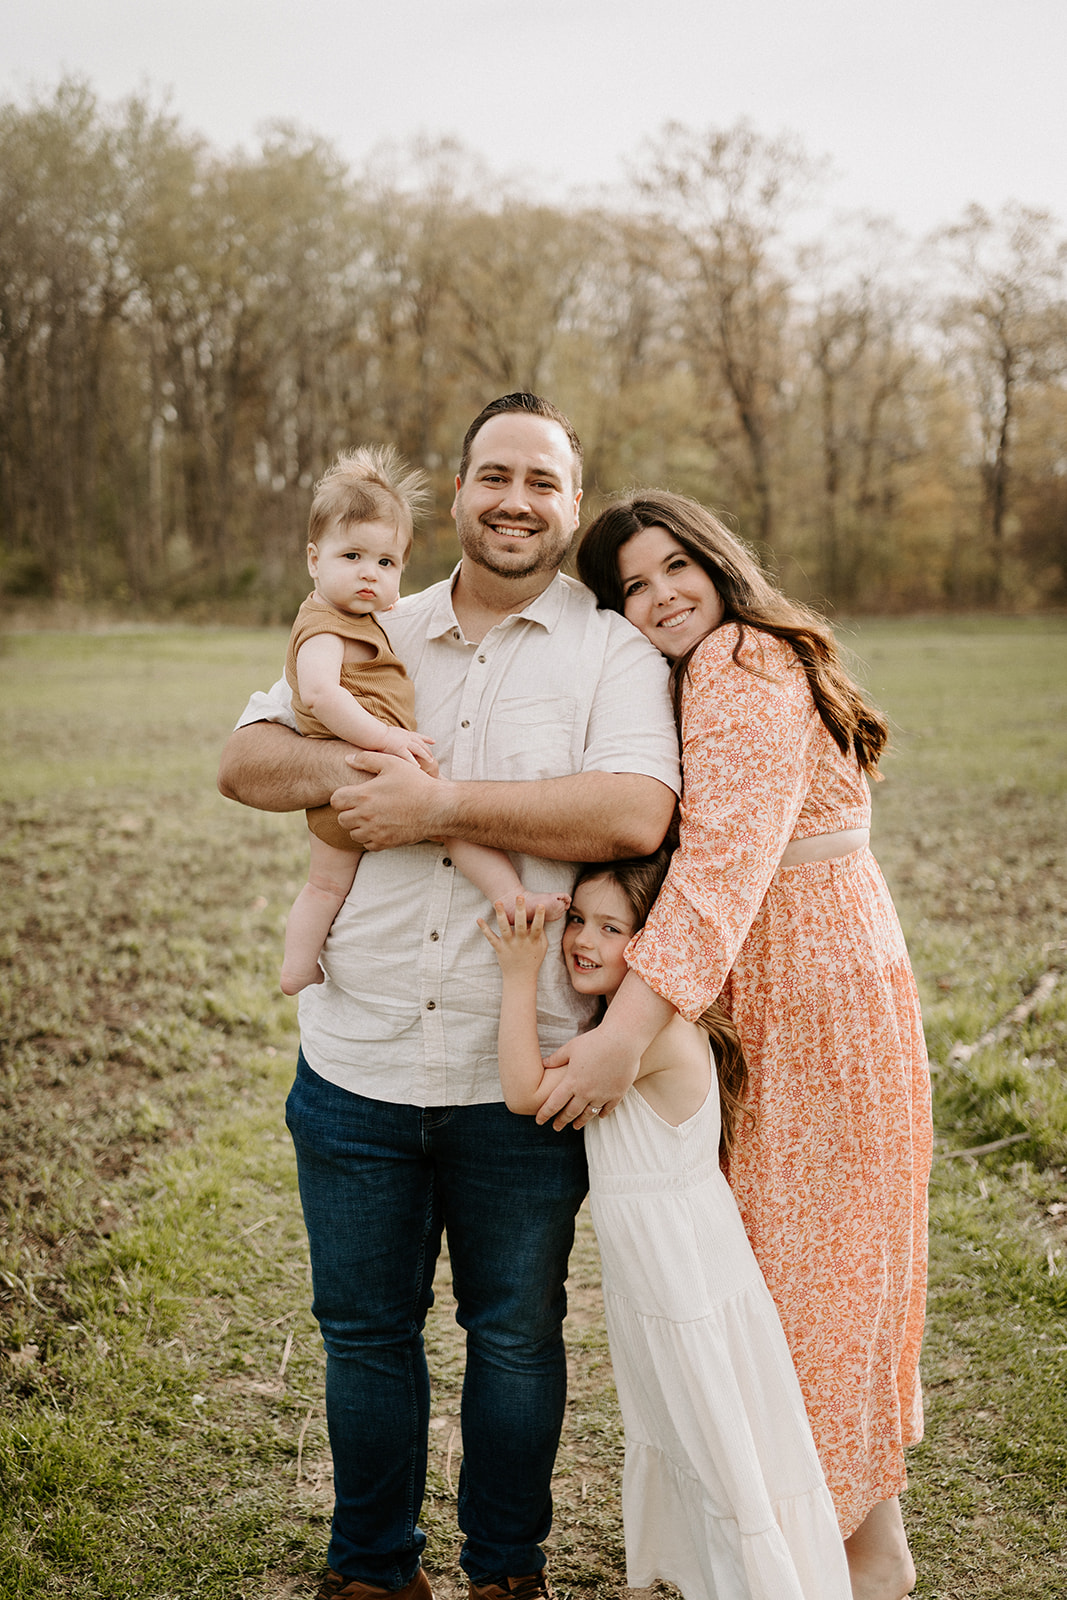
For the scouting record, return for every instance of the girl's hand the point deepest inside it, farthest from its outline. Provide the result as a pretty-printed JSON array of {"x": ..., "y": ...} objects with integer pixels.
[
  {"x": 554, "y": 906},
  {"x": 520, "y": 949}
]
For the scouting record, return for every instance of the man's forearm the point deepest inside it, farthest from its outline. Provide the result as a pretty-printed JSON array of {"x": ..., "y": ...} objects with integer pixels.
[
  {"x": 587, "y": 816},
  {"x": 268, "y": 766}
]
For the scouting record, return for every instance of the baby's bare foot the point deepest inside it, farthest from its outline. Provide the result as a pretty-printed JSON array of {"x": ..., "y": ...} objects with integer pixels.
[{"x": 555, "y": 905}]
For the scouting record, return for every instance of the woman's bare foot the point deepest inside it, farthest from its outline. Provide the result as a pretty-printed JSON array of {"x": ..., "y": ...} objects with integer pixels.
[{"x": 879, "y": 1561}]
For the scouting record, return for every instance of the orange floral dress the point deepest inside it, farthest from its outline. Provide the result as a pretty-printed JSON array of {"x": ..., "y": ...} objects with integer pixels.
[{"x": 831, "y": 1173}]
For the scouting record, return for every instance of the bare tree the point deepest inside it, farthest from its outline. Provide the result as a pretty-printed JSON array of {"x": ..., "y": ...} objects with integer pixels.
[
  {"x": 68, "y": 178},
  {"x": 623, "y": 359},
  {"x": 725, "y": 195},
  {"x": 518, "y": 271},
  {"x": 186, "y": 338},
  {"x": 1004, "y": 327},
  {"x": 868, "y": 400}
]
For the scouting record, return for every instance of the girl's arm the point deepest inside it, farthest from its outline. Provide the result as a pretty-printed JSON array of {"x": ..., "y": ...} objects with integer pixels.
[
  {"x": 520, "y": 951},
  {"x": 318, "y": 675}
]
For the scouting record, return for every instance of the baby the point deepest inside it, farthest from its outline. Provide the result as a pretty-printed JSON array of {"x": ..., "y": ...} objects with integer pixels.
[{"x": 347, "y": 683}]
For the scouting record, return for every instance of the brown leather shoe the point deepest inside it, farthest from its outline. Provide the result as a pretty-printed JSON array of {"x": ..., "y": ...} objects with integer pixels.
[
  {"x": 335, "y": 1586},
  {"x": 535, "y": 1587}
]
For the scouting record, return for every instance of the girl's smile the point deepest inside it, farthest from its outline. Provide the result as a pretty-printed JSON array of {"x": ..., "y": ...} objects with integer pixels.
[{"x": 600, "y": 924}]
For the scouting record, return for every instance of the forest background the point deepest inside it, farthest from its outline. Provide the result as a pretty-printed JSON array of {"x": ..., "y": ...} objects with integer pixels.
[{"x": 187, "y": 338}]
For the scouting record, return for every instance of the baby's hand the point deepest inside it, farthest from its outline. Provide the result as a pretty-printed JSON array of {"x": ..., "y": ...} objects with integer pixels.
[
  {"x": 520, "y": 948},
  {"x": 553, "y": 906},
  {"x": 410, "y": 746}
]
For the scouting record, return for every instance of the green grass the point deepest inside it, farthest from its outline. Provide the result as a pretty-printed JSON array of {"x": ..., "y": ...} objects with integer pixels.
[
  {"x": 154, "y": 1447},
  {"x": 162, "y": 1432},
  {"x": 970, "y": 827}
]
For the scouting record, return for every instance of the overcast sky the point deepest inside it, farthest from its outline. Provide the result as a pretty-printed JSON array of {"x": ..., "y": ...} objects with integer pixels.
[{"x": 922, "y": 105}]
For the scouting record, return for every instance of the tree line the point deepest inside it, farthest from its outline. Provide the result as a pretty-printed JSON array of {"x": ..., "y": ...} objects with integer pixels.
[{"x": 187, "y": 338}]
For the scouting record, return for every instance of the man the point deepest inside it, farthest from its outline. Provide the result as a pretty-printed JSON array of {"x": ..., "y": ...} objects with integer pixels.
[{"x": 556, "y": 740}]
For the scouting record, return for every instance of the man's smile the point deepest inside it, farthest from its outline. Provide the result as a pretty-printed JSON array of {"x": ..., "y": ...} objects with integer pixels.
[{"x": 512, "y": 530}]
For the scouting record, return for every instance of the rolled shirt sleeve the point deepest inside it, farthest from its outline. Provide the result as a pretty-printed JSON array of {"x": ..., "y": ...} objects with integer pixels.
[{"x": 274, "y": 705}]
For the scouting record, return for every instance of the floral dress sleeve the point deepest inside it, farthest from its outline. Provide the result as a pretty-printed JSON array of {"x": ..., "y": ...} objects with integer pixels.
[{"x": 751, "y": 741}]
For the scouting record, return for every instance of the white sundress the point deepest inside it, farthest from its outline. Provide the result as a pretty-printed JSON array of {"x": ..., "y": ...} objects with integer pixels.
[{"x": 723, "y": 1494}]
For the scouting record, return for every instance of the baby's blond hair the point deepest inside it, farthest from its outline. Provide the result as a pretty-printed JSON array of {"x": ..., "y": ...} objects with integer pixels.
[{"x": 371, "y": 484}]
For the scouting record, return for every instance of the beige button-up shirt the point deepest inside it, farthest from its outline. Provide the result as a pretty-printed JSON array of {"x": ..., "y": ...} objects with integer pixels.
[{"x": 409, "y": 1010}]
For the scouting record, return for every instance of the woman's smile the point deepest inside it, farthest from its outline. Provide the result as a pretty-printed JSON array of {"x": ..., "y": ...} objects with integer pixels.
[{"x": 666, "y": 593}]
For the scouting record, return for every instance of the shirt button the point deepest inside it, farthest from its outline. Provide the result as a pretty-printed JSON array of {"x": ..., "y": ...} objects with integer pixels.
[
  {"x": 481, "y": 658},
  {"x": 435, "y": 935},
  {"x": 464, "y": 724},
  {"x": 431, "y": 1005},
  {"x": 447, "y": 862}
]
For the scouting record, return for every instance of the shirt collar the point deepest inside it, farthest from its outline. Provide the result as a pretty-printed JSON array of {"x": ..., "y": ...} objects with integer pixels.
[
  {"x": 545, "y": 609},
  {"x": 442, "y": 618}
]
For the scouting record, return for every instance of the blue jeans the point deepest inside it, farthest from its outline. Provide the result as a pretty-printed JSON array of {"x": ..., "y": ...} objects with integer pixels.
[{"x": 378, "y": 1183}]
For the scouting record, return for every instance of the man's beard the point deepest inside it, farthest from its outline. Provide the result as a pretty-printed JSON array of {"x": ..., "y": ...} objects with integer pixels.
[{"x": 476, "y": 542}]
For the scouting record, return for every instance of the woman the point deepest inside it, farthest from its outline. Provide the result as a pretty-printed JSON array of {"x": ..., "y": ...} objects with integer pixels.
[{"x": 775, "y": 906}]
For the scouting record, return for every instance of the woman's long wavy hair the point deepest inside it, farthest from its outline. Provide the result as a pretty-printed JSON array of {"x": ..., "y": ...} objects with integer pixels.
[
  {"x": 641, "y": 880},
  {"x": 748, "y": 599}
]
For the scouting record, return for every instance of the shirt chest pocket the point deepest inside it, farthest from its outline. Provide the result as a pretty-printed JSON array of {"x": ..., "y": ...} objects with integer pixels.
[{"x": 529, "y": 736}]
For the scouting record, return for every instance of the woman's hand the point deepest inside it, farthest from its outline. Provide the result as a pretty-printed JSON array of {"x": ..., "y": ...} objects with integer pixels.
[
  {"x": 521, "y": 949},
  {"x": 602, "y": 1065},
  {"x": 599, "y": 1069}
]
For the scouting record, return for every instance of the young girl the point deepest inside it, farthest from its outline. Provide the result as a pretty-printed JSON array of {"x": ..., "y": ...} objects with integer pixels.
[
  {"x": 722, "y": 1491},
  {"x": 348, "y": 684},
  {"x": 775, "y": 907}
]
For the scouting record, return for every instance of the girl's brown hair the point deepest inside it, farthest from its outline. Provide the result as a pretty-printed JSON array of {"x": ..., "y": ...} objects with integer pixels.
[
  {"x": 748, "y": 599},
  {"x": 640, "y": 880}
]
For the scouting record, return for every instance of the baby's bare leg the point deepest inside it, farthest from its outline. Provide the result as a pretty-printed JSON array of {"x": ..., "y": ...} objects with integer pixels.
[
  {"x": 492, "y": 872},
  {"x": 330, "y": 876}
]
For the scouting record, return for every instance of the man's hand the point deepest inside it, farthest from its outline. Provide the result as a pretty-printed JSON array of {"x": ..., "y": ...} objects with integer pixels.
[{"x": 397, "y": 804}]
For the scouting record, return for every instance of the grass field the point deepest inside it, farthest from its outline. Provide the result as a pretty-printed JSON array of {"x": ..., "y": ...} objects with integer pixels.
[{"x": 162, "y": 1429}]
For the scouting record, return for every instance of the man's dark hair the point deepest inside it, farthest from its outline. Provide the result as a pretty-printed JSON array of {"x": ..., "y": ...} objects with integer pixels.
[{"x": 532, "y": 405}]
